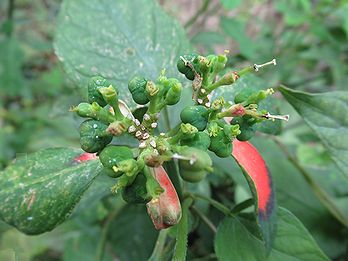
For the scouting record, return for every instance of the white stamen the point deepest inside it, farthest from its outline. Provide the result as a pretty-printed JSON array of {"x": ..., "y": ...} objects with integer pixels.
[
  {"x": 258, "y": 66},
  {"x": 138, "y": 134},
  {"x": 146, "y": 136},
  {"x": 137, "y": 122},
  {"x": 153, "y": 144},
  {"x": 200, "y": 101},
  {"x": 278, "y": 117},
  {"x": 146, "y": 117},
  {"x": 142, "y": 144},
  {"x": 154, "y": 125},
  {"x": 131, "y": 129}
]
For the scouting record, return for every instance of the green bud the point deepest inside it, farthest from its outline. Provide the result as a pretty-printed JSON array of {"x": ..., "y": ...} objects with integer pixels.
[
  {"x": 174, "y": 92},
  {"x": 221, "y": 145},
  {"x": 184, "y": 68},
  {"x": 112, "y": 155},
  {"x": 85, "y": 110},
  {"x": 193, "y": 176},
  {"x": 245, "y": 126},
  {"x": 94, "y": 84},
  {"x": 197, "y": 159},
  {"x": 93, "y": 136},
  {"x": 196, "y": 116},
  {"x": 200, "y": 140},
  {"x": 137, "y": 87}
]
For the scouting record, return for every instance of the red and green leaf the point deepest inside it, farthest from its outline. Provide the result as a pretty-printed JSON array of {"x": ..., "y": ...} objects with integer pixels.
[
  {"x": 40, "y": 190},
  {"x": 260, "y": 182}
]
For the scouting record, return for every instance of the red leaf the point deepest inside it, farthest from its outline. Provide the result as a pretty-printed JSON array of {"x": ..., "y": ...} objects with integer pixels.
[{"x": 165, "y": 211}]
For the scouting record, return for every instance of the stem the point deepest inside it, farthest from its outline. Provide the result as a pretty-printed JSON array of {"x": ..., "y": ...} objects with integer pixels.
[
  {"x": 199, "y": 12},
  {"x": 242, "y": 205},
  {"x": 321, "y": 194},
  {"x": 205, "y": 219},
  {"x": 214, "y": 203},
  {"x": 182, "y": 232},
  {"x": 160, "y": 243},
  {"x": 166, "y": 118},
  {"x": 10, "y": 10},
  {"x": 102, "y": 241}
]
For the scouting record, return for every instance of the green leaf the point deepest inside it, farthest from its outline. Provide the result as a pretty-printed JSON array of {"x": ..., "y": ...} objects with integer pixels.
[
  {"x": 118, "y": 39},
  {"x": 293, "y": 242},
  {"x": 326, "y": 114},
  {"x": 39, "y": 190},
  {"x": 132, "y": 235}
]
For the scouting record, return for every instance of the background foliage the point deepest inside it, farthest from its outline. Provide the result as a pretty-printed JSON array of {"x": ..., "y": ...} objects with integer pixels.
[{"x": 309, "y": 40}]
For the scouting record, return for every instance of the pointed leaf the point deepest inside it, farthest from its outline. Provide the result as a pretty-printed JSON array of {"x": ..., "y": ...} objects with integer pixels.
[
  {"x": 39, "y": 190},
  {"x": 118, "y": 39},
  {"x": 326, "y": 114},
  {"x": 260, "y": 182}
]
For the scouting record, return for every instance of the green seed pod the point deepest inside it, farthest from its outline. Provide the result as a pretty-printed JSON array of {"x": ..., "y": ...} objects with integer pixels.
[
  {"x": 197, "y": 159},
  {"x": 184, "y": 69},
  {"x": 137, "y": 87},
  {"x": 94, "y": 95},
  {"x": 84, "y": 109},
  {"x": 136, "y": 192},
  {"x": 196, "y": 116},
  {"x": 112, "y": 155},
  {"x": 93, "y": 136},
  {"x": 193, "y": 176},
  {"x": 221, "y": 145},
  {"x": 174, "y": 93},
  {"x": 201, "y": 140}
]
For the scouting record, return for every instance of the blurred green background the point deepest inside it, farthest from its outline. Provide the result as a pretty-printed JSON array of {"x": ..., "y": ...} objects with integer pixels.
[{"x": 308, "y": 38}]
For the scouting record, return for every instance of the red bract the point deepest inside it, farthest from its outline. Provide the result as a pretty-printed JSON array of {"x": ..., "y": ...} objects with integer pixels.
[
  {"x": 248, "y": 157},
  {"x": 260, "y": 183},
  {"x": 165, "y": 211}
]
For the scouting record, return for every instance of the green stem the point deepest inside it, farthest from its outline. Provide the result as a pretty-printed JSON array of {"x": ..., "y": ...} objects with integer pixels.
[
  {"x": 199, "y": 12},
  {"x": 182, "y": 232},
  {"x": 111, "y": 217},
  {"x": 225, "y": 210},
  {"x": 321, "y": 194},
  {"x": 10, "y": 10},
  {"x": 166, "y": 118},
  {"x": 205, "y": 219},
  {"x": 243, "y": 205},
  {"x": 159, "y": 247}
]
